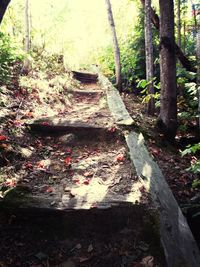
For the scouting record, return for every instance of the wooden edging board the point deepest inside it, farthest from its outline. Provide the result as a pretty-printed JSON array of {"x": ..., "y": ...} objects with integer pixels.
[
  {"x": 178, "y": 242},
  {"x": 115, "y": 103}
]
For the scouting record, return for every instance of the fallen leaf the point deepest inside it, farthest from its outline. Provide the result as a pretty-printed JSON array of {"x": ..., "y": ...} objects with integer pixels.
[
  {"x": 88, "y": 174},
  {"x": 49, "y": 190},
  {"x": 120, "y": 157},
  {"x": 67, "y": 161},
  {"x": 40, "y": 164},
  {"x": 28, "y": 166},
  {"x": 68, "y": 151},
  {"x": 17, "y": 122},
  {"x": 45, "y": 123},
  {"x": 86, "y": 182},
  {"x": 3, "y": 138},
  {"x": 112, "y": 130}
]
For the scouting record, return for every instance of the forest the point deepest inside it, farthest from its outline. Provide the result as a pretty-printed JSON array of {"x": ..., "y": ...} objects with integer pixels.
[{"x": 99, "y": 133}]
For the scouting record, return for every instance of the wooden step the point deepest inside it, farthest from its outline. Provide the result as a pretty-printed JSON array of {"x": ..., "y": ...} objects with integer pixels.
[
  {"x": 79, "y": 129},
  {"x": 85, "y": 77}
]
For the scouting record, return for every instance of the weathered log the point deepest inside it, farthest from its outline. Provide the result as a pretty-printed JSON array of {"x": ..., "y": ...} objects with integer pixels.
[
  {"x": 79, "y": 129},
  {"x": 115, "y": 103},
  {"x": 178, "y": 242},
  {"x": 179, "y": 53}
]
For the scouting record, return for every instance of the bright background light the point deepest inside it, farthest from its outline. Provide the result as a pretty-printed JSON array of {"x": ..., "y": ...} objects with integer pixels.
[{"x": 77, "y": 28}]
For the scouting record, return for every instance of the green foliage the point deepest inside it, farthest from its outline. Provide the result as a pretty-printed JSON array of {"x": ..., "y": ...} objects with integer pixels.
[
  {"x": 146, "y": 96},
  {"x": 195, "y": 163},
  {"x": 132, "y": 56},
  {"x": 191, "y": 149},
  {"x": 187, "y": 100},
  {"x": 9, "y": 57},
  {"x": 44, "y": 61},
  {"x": 196, "y": 183}
]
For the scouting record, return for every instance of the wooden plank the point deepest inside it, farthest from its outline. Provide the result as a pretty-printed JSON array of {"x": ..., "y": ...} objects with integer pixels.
[
  {"x": 177, "y": 239},
  {"x": 85, "y": 77},
  {"x": 115, "y": 103},
  {"x": 85, "y": 93},
  {"x": 80, "y": 129},
  {"x": 85, "y": 74}
]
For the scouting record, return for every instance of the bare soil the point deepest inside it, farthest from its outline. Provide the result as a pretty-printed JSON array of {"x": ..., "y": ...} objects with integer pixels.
[{"x": 63, "y": 171}]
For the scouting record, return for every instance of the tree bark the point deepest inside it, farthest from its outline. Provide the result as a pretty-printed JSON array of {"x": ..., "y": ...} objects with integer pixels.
[
  {"x": 26, "y": 65},
  {"x": 198, "y": 72},
  {"x": 167, "y": 121},
  {"x": 115, "y": 45},
  {"x": 3, "y": 6},
  {"x": 179, "y": 23},
  {"x": 179, "y": 53},
  {"x": 149, "y": 57}
]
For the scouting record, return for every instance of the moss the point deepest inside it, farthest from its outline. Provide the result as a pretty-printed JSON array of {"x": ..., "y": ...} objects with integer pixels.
[{"x": 17, "y": 197}]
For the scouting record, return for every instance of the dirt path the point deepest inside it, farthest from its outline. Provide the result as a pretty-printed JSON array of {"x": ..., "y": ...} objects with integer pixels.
[
  {"x": 76, "y": 175},
  {"x": 74, "y": 159}
]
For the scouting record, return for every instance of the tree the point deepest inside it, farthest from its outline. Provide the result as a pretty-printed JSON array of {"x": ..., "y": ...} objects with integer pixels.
[
  {"x": 149, "y": 56},
  {"x": 179, "y": 23},
  {"x": 3, "y": 6},
  {"x": 26, "y": 66},
  {"x": 115, "y": 45},
  {"x": 198, "y": 70},
  {"x": 167, "y": 121},
  {"x": 179, "y": 53}
]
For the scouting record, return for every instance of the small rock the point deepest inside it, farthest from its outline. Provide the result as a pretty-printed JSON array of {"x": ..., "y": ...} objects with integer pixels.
[
  {"x": 143, "y": 246},
  {"x": 53, "y": 203},
  {"x": 90, "y": 248},
  {"x": 67, "y": 189},
  {"x": 68, "y": 139},
  {"x": 148, "y": 261},
  {"x": 25, "y": 152},
  {"x": 78, "y": 246}
]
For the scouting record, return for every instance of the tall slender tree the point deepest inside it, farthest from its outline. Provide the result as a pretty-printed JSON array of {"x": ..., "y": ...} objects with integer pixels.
[
  {"x": 149, "y": 57},
  {"x": 115, "y": 45},
  {"x": 198, "y": 69},
  {"x": 167, "y": 121},
  {"x": 27, "y": 27},
  {"x": 27, "y": 41},
  {"x": 179, "y": 23}
]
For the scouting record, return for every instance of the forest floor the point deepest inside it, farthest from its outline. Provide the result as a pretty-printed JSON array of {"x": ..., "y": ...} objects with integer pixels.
[{"x": 64, "y": 170}]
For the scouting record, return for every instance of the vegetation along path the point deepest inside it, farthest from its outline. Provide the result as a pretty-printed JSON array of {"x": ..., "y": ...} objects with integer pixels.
[{"x": 73, "y": 154}]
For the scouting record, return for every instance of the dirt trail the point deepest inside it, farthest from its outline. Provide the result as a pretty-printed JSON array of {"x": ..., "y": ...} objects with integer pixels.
[
  {"x": 79, "y": 185},
  {"x": 75, "y": 160},
  {"x": 79, "y": 161}
]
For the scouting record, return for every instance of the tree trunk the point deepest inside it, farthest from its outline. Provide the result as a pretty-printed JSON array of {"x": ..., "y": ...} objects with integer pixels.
[
  {"x": 179, "y": 53},
  {"x": 3, "y": 6},
  {"x": 27, "y": 27},
  {"x": 179, "y": 22},
  {"x": 195, "y": 19},
  {"x": 26, "y": 65},
  {"x": 167, "y": 121},
  {"x": 149, "y": 56},
  {"x": 198, "y": 72},
  {"x": 115, "y": 45}
]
